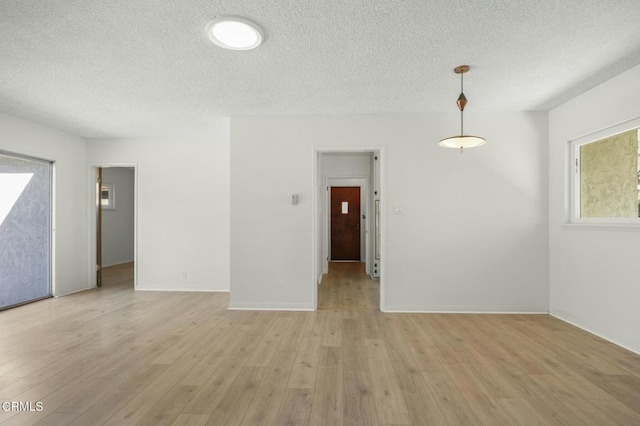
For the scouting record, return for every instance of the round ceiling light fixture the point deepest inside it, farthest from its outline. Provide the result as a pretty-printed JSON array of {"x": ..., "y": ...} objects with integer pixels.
[{"x": 234, "y": 33}]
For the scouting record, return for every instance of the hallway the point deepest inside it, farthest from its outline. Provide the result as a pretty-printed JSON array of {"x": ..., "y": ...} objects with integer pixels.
[
  {"x": 348, "y": 287},
  {"x": 118, "y": 275}
]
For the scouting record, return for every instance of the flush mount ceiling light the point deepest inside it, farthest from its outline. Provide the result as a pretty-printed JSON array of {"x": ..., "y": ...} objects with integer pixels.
[
  {"x": 462, "y": 141},
  {"x": 234, "y": 33}
]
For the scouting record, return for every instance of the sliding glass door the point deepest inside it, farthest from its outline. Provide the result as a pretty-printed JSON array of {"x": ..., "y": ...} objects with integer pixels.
[{"x": 25, "y": 229}]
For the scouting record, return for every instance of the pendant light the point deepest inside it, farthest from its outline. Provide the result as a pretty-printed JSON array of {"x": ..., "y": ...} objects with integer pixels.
[{"x": 462, "y": 141}]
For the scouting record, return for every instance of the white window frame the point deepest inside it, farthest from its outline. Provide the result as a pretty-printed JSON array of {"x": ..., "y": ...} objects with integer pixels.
[
  {"x": 574, "y": 179},
  {"x": 111, "y": 201}
]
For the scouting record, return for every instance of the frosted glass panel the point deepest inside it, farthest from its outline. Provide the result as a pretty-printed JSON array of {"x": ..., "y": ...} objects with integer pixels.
[{"x": 25, "y": 230}]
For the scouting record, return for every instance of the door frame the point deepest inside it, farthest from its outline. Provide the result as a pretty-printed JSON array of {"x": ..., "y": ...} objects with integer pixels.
[
  {"x": 363, "y": 184},
  {"x": 316, "y": 238},
  {"x": 93, "y": 208}
]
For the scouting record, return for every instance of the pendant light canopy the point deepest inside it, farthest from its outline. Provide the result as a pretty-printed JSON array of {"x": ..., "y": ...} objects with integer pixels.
[{"x": 462, "y": 141}]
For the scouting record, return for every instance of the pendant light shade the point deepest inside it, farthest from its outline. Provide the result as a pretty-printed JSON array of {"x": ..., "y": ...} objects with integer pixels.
[{"x": 462, "y": 141}]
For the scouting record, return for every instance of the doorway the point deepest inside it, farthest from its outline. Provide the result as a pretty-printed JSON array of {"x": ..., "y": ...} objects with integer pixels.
[
  {"x": 345, "y": 224},
  {"x": 339, "y": 173},
  {"x": 114, "y": 230}
]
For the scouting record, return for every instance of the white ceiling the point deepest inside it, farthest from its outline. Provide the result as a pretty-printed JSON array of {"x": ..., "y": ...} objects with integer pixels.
[{"x": 145, "y": 67}]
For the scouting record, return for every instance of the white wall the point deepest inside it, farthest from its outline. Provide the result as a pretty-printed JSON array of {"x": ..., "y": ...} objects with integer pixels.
[
  {"x": 346, "y": 165},
  {"x": 183, "y": 207},
  {"x": 118, "y": 224},
  {"x": 68, "y": 151},
  {"x": 594, "y": 272},
  {"x": 473, "y": 236}
]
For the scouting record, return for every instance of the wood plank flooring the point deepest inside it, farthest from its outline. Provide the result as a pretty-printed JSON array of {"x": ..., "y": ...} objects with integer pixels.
[
  {"x": 346, "y": 287},
  {"x": 118, "y": 274},
  {"x": 115, "y": 356}
]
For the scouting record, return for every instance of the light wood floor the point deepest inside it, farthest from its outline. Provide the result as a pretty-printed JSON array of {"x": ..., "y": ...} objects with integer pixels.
[
  {"x": 347, "y": 287},
  {"x": 115, "y": 356},
  {"x": 121, "y": 274}
]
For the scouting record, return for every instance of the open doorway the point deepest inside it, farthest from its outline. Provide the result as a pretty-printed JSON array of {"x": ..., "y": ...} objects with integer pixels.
[
  {"x": 114, "y": 229},
  {"x": 348, "y": 229}
]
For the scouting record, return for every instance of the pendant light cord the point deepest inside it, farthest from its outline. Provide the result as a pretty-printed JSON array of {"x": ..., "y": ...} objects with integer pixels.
[{"x": 461, "y": 109}]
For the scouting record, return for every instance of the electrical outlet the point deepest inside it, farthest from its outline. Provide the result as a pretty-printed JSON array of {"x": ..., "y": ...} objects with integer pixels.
[
  {"x": 184, "y": 274},
  {"x": 398, "y": 209}
]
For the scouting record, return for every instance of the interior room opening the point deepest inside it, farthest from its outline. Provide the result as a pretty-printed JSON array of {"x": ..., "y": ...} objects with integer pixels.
[
  {"x": 349, "y": 230},
  {"x": 114, "y": 245}
]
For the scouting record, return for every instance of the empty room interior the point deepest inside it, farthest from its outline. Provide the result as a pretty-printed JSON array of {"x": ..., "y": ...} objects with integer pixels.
[{"x": 319, "y": 212}]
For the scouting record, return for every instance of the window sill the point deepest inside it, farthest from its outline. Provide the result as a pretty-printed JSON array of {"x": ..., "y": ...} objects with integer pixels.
[{"x": 602, "y": 226}]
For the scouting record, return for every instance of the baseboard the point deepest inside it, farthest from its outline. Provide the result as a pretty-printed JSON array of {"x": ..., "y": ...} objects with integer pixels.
[
  {"x": 461, "y": 309},
  {"x": 75, "y": 291},
  {"x": 570, "y": 319},
  {"x": 201, "y": 290},
  {"x": 270, "y": 307},
  {"x": 117, "y": 264}
]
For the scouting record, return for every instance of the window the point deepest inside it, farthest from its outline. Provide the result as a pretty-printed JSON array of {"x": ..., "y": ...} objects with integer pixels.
[
  {"x": 107, "y": 196},
  {"x": 605, "y": 182},
  {"x": 25, "y": 229}
]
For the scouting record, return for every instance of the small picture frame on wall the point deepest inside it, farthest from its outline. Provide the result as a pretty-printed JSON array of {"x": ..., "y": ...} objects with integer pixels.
[{"x": 108, "y": 196}]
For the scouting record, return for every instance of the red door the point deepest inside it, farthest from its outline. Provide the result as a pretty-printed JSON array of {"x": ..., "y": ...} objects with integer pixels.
[{"x": 345, "y": 223}]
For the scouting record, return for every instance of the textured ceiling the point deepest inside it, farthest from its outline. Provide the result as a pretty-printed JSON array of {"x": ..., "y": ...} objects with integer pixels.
[{"x": 145, "y": 67}]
